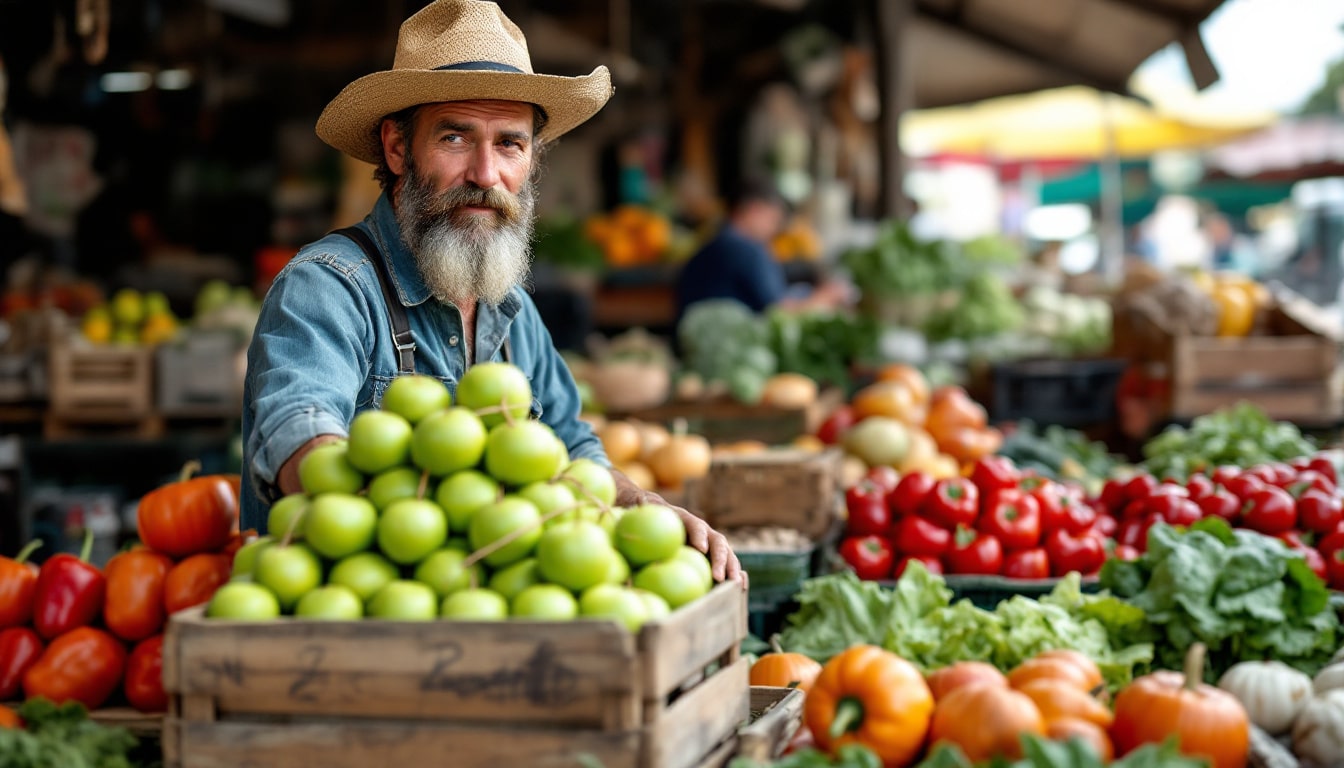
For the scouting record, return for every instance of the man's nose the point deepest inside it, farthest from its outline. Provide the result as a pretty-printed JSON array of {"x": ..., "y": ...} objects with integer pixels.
[{"x": 483, "y": 170}]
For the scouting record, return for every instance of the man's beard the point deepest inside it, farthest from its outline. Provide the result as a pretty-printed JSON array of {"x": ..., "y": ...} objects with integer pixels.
[{"x": 467, "y": 256}]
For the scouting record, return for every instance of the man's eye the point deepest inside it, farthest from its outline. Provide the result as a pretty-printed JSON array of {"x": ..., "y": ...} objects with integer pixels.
[{"x": 452, "y": 138}]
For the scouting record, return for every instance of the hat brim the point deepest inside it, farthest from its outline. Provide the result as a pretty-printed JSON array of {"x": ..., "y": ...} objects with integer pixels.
[{"x": 350, "y": 121}]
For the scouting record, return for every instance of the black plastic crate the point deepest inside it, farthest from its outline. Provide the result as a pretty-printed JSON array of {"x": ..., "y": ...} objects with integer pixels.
[{"x": 1070, "y": 393}]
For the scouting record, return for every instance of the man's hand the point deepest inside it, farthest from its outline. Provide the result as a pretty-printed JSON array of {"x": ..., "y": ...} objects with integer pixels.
[
  {"x": 288, "y": 478},
  {"x": 723, "y": 562}
]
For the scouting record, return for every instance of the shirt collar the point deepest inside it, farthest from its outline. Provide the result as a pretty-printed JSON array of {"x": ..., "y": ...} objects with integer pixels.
[{"x": 406, "y": 279}]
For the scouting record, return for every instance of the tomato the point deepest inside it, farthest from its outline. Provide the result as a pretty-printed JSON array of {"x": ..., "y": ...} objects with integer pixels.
[
  {"x": 954, "y": 501},
  {"x": 1269, "y": 510},
  {"x": 1199, "y": 486},
  {"x": 835, "y": 425},
  {"x": 1133, "y": 532},
  {"x": 1224, "y": 474},
  {"x": 883, "y": 477},
  {"x": 1321, "y": 463},
  {"x": 994, "y": 473},
  {"x": 1332, "y": 550},
  {"x": 870, "y": 556},
  {"x": 1220, "y": 503},
  {"x": 1112, "y": 496},
  {"x": 1050, "y": 499},
  {"x": 974, "y": 552},
  {"x": 1315, "y": 561},
  {"x": 1013, "y": 517},
  {"x": 931, "y": 564},
  {"x": 144, "y": 676},
  {"x": 1244, "y": 486},
  {"x": 1103, "y": 524},
  {"x": 910, "y": 493},
  {"x": 1125, "y": 552},
  {"x": 866, "y": 504},
  {"x": 1310, "y": 479},
  {"x": 1319, "y": 512},
  {"x": 1068, "y": 552},
  {"x": 1031, "y": 563},
  {"x": 1174, "y": 509},
  {"x": 917, "y": 536},
  {"x": 194, "y": 581},
  {"x": 1140, "y": 486}
]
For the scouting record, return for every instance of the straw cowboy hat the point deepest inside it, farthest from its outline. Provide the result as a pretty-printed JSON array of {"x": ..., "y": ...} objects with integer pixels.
[{"x": 457, "y": 50}]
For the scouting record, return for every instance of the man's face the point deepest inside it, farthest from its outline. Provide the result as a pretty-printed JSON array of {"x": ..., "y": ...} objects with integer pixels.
[{"x": 465, "y": 196}]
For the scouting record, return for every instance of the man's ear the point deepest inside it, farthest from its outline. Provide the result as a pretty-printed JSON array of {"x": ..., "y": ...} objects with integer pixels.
[{"x": 394, "y": 146}]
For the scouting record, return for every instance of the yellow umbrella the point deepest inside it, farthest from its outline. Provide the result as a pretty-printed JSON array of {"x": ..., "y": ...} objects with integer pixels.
[{"x": 1074, "y": 122}]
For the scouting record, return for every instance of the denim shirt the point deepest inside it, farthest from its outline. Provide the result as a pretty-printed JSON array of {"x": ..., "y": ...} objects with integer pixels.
[{"x": 322, "y": 351}]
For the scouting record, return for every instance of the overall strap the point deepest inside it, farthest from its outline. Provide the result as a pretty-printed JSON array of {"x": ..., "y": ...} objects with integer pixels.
[{"x": 401, "y": 327}]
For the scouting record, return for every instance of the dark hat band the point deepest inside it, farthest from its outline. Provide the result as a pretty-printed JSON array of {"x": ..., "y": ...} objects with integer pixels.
[{"x": 487, "y": 66}]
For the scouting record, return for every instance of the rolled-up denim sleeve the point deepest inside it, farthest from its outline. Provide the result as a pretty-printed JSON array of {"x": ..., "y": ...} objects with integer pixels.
[
  {"x": 553, "y": 385},
  {"x": 307, "y": 361}
]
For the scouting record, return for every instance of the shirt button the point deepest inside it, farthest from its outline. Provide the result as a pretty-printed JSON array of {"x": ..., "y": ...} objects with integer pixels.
[{"x": 452, "y": 341}]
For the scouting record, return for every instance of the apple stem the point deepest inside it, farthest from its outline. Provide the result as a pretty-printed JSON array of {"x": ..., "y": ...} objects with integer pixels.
[
  {"x": 587, "y": 494},
  {"x": 506, "y": 539},
  {"x": 424, "y": 485},
  {"x": 504, "y": 406},
  {"x": 293, "y": 525},
  {"x": 190, "y": 468}
]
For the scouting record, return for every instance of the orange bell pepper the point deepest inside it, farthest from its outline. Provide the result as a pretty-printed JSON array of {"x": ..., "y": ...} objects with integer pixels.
[{"x": 869, "y": 696}]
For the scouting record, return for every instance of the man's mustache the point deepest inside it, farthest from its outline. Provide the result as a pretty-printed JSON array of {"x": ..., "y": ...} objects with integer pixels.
[{"x": 467, "y": 196}]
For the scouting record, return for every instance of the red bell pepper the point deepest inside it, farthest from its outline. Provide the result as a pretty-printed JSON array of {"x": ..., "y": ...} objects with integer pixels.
[
  {"x": 909, "y": 494},
  {"x": 69, "y": 592},
  {"x": 1068, "y": 552},
  {"x": 931, "y": 564},
  {"x": 974, "y": 552},
  {"x": 1031, "y": 563},
  {"x": 20, "y": 648},
  {"x": 1321, "y": 463},
  {"x": 1112, "y": 498},
  {"x": 917, "y": 536},
  {"x": 18, "y": 581},
  {"x": 84, "y": 665},
  {"x": 1220, "y": 503},
  {"x": 955, "y": 501},
  {"x": 1269, "y": 510},
  {"x": 1332, "y": 549},
  {"x": 1198, "y": 486},
  {"x": 871, "y": 557},
  {"x": 1102, "y": 522},
  {"x": 1245, "y": 486},
  {"x": 134, "y": 608},
  {"x": 866, "y": 505},
  {"x": 1013, "y": 517},
  {"x": 144, "y": 676},
  {"x": 1310, "y": 479},
  {"x": 994, "y": 473},
  {"x": 1319, "y": 512}
]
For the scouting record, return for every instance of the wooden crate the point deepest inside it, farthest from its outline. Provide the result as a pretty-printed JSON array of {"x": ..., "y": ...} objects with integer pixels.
[
  {"x": 356, "y": 693},
  {"x": 725, "y": 420},
  {"x": 777, "y": 714},
  {"x": 790, "y": 488},
  {"x": 101, "y": 386}
]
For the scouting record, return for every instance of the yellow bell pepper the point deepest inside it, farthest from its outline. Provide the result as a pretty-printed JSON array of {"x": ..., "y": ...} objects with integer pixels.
[{"x": 1236, "y": 310}]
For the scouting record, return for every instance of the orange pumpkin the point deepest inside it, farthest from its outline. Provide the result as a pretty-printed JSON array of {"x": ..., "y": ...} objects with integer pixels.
[
  {"x": 1062, "y": 698},
  {"x": 1209, "y": 722},
  {"x": 784, "y": 670},
  {"x": 1049, "y": 669},
  {"x": 1065, "y": 728},
  {"x": 621, "y": 440},
  {"x": 908, "y": 375},
  {"x": 1078, "y": 659},
  {"x": 947, "y": 679},
  {"x": 683, "y": 457},
  {"x": 892, "y": 399},
  {"x": 985, "y": 721}
]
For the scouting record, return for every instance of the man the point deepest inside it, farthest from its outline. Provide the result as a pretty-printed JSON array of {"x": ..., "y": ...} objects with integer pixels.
[
  {"x": 737, "y": 264},
  {"x": 456, "y": 129}
]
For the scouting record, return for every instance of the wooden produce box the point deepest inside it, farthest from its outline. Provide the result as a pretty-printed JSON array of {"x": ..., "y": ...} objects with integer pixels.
[
  {"x": 293, "y": 692},
  {"x": 777, "y": 714},
  {"x": 725, "y": 420},
  {"x": 101, "y": 386},
  {"x": 789, "y": 488},
  {"x": 201, "y": 376}
]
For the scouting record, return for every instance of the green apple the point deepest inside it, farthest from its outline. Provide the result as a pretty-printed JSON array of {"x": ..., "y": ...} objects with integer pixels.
[
  {"x": 697, "y": 560},
  {"x": 495, "y": 521},
  {"x": 657, "y": 606},
  {"x": 156, "y": 303},
  {"x": 575, "y": 555},
  {"x": 245, "y": 559},
  {"x": 549, "y": 497},
  {"x": 332, "y": 602},
  {"x": 128, "y": 307},
  {"x": 405, "y": 600},
  {"x": 340, "y": 524},
  {"x": 611, "y": 601},
  {"x": 326, "y": 469},
  {"x": 409, "y": 529},
  {"x": 674, "y": 581},
  {"x": 478, "y": 604},
  {"x": 379, "y": 440},
  {"x": 290, "y": 572},
  {"x": 444, "y": 572},
  {"x": 513, "y": 579},
  {"x": 416, "y": 396},
  {"x": 462, "y": 493},
  {"x": 447, "y": 441},
  {"x": 496, "y": 385},
  {"x": 523, "y": 452},
  {"x": 544, "y": 601},
  {"x": 649, "y": 532},
  {"x": 393, "y": 484},
  {"x": 595, "y": 480},
  {"x": 243, "y": 600},
  {"x": 287, "y": 517},
  {"x": 364, "y": 573},
  {"x": 618, "y": 572}
]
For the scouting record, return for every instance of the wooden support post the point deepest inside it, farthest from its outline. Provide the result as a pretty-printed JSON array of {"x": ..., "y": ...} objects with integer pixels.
[{"x": 895, "y": 88}]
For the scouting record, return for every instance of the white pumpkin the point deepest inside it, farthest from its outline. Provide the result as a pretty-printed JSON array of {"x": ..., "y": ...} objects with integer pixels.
[
  {"x": 1329, "y": 678},
  {"x": 1318, "y": 734},
  {"x": 1272, "y": 692}
]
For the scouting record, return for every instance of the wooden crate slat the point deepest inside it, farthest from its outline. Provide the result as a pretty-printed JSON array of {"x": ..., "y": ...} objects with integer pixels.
[
  {"x": 1264, "y": 359},
  {"x": 683, "y": 644},
  {"x": 359, "y": 744},
  {"x": 702, "y": 719},
  {"x": 1305, "y": 405},
  {"x": 460, "y": 671},
  {"x": 765, "y": 738}
]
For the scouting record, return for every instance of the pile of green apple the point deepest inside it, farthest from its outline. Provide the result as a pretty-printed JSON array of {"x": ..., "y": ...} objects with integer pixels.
[{"x": 470, "y": 510}]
